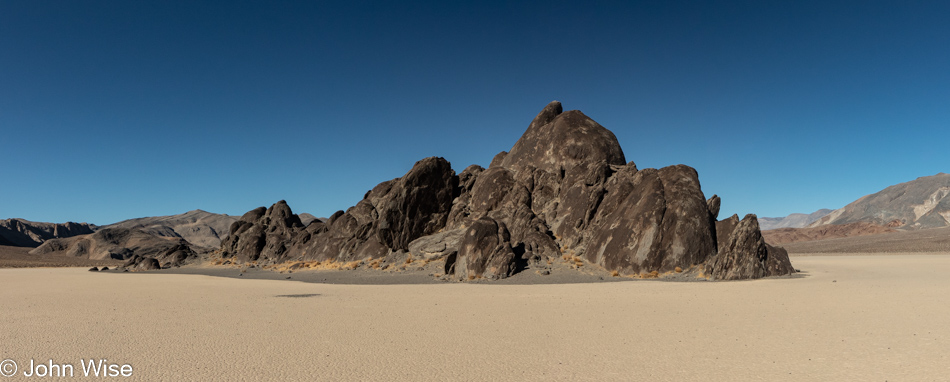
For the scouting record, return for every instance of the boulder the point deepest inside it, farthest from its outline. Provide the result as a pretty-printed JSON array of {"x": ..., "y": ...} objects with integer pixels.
[
  {"x": 142, "y": 263},
  {"x": 713, "y": 204},
  {"x": 485, "y": 251},
  {"x": 437, "y": 245}
]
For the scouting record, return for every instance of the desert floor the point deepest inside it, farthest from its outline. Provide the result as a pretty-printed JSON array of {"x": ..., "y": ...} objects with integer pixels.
[{"x": 857, "y": 317}]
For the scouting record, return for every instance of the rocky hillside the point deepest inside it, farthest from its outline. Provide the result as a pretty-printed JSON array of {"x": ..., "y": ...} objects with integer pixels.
[
  {"x": 24, "y": 233},
  {"x": 920, "y": 203},
  {"x": 793, "y": 220},
  {"x": 564, "y": 190},
  {"x": 136, "y": 245},
  {"x": 200, "y": 228},
  {"x": 147, "y": 243}
]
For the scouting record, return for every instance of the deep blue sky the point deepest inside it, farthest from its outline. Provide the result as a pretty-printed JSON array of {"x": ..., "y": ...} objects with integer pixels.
[{"x": 121, "y": 109}]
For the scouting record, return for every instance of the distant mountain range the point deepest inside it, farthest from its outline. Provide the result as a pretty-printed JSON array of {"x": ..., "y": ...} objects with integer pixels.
[
  {"x": 920, "y": 203},
  {"x": 25, "y": 233},
  {"x": 793, "y": 220}
]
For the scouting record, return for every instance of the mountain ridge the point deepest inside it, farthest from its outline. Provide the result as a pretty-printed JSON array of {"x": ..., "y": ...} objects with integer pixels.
[{"x": 920, "y": 203}]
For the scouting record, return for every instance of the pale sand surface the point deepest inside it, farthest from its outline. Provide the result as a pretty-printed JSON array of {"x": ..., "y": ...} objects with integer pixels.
[{"x": 866, "y": 318}]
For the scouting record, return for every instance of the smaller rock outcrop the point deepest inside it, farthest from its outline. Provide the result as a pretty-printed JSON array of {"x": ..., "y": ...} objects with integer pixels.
[
  {"x": 390, "y": 217},
  {"x": 743, "y": 253}
]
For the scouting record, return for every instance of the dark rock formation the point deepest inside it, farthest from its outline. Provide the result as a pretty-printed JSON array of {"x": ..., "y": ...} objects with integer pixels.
[
  {"x": 743, "y": 253},
  {"x": 93, "y": 269},
  {"x": 390, "y": 216},
  {"x": 563, "y": 189},
  {"x": 652, "y": 220},
  {"x": 485, "y": 251},
  {"x": 142, "y": 263},
  {"x": 556, "y": 142},
  {"x": 24, "y": 233},
  {"x": 262, "y": 232},
  {"x": 714, "y": 203}
]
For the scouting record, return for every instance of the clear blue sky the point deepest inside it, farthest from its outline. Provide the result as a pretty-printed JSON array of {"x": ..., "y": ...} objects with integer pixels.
[{"x": 111, "y": 110}]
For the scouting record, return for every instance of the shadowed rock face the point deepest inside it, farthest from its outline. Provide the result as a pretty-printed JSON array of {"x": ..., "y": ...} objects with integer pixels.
[
  {"x": 563, "y": 188},
  {"x": 743, "y": 254},
  {"x": 390, "y": 216}
]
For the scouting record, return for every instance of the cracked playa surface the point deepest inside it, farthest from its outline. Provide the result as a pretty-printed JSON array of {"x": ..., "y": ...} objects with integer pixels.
[{"x": 849, "y": 318}]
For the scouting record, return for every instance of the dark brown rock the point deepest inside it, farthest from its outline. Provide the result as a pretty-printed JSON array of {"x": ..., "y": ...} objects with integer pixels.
[
  {"x": 557, "y": 141},
  {"x": 418, "y": 204},
  {"x": 563, "y": 188},
  {"x": 485, "y": 251},
  {"x": 714, "y": 203},
  {"x": 262, "y": 234},
  {"x": 743, "y": 253},
  {"x": 142, "y": 263},
  {"x": 496, "y": 161},
  {"x": 651, "y": 220}
]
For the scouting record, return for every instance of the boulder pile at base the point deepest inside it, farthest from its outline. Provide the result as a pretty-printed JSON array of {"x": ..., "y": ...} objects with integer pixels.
[{"x": 565, "y": 189}]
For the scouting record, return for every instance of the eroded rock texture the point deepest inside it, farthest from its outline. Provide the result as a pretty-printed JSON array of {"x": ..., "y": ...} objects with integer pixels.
[
  {"x": 390, "y": 216},
  {"x": 564, "y": 188}
]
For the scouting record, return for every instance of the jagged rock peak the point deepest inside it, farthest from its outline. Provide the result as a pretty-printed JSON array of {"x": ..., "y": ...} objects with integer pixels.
[
  {"x": 546, "y": 115},
  {"x": 557, "y": 141}
]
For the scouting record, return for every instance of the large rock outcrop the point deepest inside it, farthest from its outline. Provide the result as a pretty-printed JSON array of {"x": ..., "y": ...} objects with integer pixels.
[
  {"x": 24, "y": 233},
  {"x": 564, "y": 188}
]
